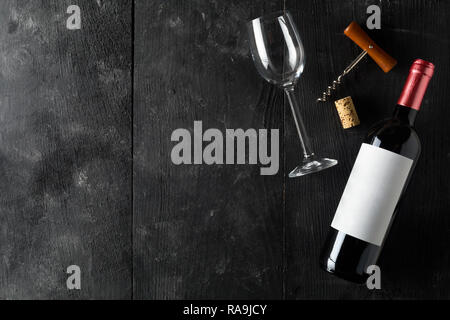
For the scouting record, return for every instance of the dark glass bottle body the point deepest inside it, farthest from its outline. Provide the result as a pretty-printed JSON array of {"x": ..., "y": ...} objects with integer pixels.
[{"x": 348, "y": 257}]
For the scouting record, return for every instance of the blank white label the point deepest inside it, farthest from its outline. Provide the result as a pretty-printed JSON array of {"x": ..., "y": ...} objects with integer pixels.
[{"x": 371, "y": 194}]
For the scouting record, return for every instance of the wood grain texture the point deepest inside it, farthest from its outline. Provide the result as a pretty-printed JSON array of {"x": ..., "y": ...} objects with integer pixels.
[
  {"x": 225, "y": 232},
  {"x": 202, "y": 231},
  {"x": 70, "y": 194},
  {"x": 415, "y": 261},
  {"x": 65, "y": 150}
]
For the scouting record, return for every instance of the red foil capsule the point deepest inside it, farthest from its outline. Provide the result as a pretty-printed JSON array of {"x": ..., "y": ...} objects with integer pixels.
[{"x": 416, "y": 84}]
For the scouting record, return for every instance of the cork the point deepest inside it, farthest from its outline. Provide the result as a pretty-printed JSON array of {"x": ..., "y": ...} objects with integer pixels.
[{"x": 347, "y": 112}]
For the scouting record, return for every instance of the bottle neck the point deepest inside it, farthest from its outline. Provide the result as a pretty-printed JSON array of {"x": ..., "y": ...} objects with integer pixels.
[
  {"x": 405, "y": 114},
  {"x": 413, "y": 91},
  {"x": 416, "y": 84}
]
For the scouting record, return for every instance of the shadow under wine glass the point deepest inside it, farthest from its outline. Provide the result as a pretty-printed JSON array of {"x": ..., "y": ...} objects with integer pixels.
[{"x": 280, "y": 58}]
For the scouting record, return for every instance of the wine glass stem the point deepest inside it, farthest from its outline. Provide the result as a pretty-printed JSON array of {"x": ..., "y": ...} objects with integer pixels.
[{"x": 301, "y": 130}]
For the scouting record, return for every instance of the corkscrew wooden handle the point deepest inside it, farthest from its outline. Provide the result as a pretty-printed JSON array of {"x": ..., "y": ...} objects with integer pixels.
[{"x": 385, "y": 61}]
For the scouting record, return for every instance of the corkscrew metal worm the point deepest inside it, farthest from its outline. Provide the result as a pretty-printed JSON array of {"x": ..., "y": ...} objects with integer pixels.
[{"x": 355, "y": 33}]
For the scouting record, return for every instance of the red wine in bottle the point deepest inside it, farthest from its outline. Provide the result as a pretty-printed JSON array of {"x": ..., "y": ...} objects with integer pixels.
[{"x": 378, "y": 179}]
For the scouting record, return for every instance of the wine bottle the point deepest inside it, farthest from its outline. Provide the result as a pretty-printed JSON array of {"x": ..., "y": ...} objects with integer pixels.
[{"x": 377, "y": 181}]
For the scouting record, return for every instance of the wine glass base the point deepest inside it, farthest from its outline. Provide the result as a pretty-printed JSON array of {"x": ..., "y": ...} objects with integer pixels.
[{"x": 312, "y": 165}]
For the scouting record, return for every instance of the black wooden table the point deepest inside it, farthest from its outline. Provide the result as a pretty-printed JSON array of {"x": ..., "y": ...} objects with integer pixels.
[{"x": 86, "y": 118}]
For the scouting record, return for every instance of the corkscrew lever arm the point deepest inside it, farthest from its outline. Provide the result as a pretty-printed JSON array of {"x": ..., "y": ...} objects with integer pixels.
[{"x": 384, "y": 61}]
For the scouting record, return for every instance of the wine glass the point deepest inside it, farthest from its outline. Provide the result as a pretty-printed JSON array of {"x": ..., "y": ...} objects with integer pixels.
[{"x": 280, "y": 58}]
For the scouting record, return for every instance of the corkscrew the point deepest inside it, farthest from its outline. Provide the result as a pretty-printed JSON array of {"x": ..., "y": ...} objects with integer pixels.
[{"x": 355, "y": 33}]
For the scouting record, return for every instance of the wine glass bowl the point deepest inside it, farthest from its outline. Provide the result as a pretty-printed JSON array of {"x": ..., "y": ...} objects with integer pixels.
[
  {"x": 276, "y": 48},
  {"x": 279, "y": 57}
]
